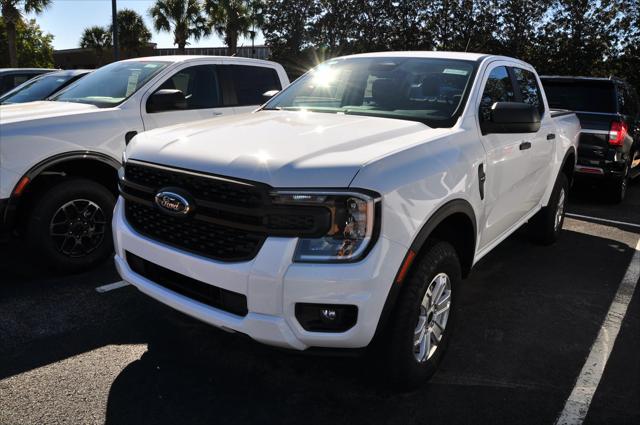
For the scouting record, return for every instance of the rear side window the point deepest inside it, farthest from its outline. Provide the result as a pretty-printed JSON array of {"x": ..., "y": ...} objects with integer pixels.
[
  {"x": 529, "y": 90},
  {"x": 626, "y": 100},
  {"x": 199, "y": 85},
  {"x": 250, "y": 82},
  {"x": 497, "y": 89},
  {"x": 585, "y": 96},
  {"x": 14, "y": 80}
]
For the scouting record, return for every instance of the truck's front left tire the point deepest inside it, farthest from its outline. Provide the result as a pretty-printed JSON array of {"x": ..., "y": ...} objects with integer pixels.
[
  {"x": 69, "y": 226},
  {"x": 423, "y": 317}
]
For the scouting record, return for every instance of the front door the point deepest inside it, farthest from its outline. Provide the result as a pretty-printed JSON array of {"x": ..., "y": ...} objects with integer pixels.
[
  {"x": 507, "y": 186},
  {"x": 201, "y": 87}
]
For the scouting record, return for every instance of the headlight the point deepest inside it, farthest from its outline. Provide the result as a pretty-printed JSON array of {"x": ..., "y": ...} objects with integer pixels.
[{"x": 353, "y": 224}]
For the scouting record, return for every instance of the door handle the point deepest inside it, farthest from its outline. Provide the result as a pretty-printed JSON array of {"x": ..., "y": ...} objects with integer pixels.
[
  {"x": 525, "y": 145},
  {"x": 215, "y": 114},
  {"x": 551, "y": 136}
]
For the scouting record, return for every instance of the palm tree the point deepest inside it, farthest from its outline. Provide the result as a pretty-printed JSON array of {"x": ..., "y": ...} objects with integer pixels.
[
  {"x": 232, "y": 19},
  {"x": 96, "y": 38},
  {"x": 184, "y": 17},
  {"x": 133, "y": 34},
  {"x": 12, "y": 12}
]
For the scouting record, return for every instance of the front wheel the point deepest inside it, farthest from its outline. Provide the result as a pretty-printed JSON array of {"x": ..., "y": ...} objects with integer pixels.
[
  {"x": 423, "y": 317},
  {"x": 545, "y": 227},
  {"x": 70, "y": 225}
]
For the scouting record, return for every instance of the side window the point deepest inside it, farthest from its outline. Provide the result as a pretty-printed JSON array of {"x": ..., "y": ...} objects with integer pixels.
[
  {"x": 199, "y": 84},
  {"x": 629, "y": 105},
  {"x": 529, "y": 89},
  {"x": 21, "y": 78},
  {"x": 250, "y": 82},
  {"x": 497, "y": 89}
]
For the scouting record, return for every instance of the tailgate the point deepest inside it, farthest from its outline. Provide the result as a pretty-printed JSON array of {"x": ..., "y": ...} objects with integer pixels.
[{"x": 594, "y": 136}]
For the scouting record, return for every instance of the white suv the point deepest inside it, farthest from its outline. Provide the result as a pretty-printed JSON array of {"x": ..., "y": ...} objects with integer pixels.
[
  {"x": 59, "y": 158},
  {"x": 350, "y": 205}
]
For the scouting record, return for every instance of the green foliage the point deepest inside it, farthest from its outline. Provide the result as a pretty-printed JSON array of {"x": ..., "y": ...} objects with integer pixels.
[
  {"x": 12, "y": 11},
  {"x": 34, "y": 47},
  {"x": 571, "y": 37},
  {"x": 133, "y": 34},
  {"x": 232, "y": 19},
  {"x": 183, "y": 17},
  {"x": 96, "y": 37}
]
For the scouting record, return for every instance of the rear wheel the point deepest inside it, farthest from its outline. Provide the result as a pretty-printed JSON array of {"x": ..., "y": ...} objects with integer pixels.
[
  {"x": 423, "y": 317},
  {"x": 617, "y": 189},
  {"x": 70, "y": 225},
  {"x": 545, "y": 227}
]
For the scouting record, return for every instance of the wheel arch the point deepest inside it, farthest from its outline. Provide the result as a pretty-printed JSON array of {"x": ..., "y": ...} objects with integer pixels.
[
  {"x": 441, "y": 225},
  {"x": 95, "y": 166}
]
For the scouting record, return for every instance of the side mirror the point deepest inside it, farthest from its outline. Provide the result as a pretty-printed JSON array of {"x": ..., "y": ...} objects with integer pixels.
[
  {"x": 166, "y": 100},
  {"x": 269, "y": 94},
  {"x": 512, "y": 117}
]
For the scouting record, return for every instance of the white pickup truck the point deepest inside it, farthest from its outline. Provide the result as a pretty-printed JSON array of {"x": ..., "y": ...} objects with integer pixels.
[
  {"x": 59, "y": 158},
  {"x": 351, "y": 205}
]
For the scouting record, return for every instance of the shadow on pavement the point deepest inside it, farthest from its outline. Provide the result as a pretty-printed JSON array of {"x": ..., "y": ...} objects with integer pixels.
[{"x": 526, "y": 322}]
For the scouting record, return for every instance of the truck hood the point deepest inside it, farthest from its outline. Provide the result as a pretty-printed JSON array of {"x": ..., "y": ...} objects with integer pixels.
[
  {"x": 42, "y": 109},
  {"x": 282, "y": 149}
]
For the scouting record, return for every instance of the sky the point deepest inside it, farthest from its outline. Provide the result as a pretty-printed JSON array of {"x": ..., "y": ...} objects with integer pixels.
[{"x": 66, "y": 19}]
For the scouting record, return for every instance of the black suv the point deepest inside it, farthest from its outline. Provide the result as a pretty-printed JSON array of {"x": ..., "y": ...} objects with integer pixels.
[{"x": 609, "y": 113}]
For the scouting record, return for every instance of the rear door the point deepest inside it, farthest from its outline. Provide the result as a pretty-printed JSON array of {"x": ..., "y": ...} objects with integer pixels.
[
  {"x": 200, "y": 84},
  {"x": 247, "y": 83}
]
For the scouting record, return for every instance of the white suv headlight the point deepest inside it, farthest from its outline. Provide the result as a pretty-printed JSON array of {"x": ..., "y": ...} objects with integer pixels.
[{"x": 354, "y": 224}]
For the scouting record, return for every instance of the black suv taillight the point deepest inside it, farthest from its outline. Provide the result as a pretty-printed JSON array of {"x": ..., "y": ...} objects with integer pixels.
[{"x": 617, "y": 133}]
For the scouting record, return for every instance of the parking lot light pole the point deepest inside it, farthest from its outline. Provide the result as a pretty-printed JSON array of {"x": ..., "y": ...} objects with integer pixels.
[{"x": 114, "y": 14}]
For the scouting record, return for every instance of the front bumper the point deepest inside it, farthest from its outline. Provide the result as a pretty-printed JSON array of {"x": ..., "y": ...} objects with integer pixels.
[{"x": 273, "y": 285}]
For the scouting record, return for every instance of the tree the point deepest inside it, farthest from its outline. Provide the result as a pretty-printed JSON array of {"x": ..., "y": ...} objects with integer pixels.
[
  {"x": 98, "y": 39},
  {"x": 183, "y": 17},
  {"x": 519, "y": 21},
  {"x": 287, "y": 30},
  {"x": 12, "y": 11},
  {"x": 133, "y": 34},
  {"x": 232, "y": 19},
  {"x": 582, "y": 36},
  {"x": 34, "y": 48}
]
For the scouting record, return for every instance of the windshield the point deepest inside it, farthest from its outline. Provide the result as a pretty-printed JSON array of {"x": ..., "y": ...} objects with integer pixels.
[
  {"x": 427, "y": 90},
  {"x": 36, "y": 89},
  {"x": 587, "y": 96},
  {"x": 112, "y": 84}
]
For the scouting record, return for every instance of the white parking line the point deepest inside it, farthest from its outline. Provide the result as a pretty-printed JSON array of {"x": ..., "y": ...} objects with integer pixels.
[
  {"x": 111, "y": 286},
  {"x": 604, "y": 220},
  {"x": 577, "y": 405}
]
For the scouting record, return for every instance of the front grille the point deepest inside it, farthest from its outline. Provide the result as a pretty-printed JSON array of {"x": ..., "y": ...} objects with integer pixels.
[
  {"x": 228, "y": 220},
  {"x": 222, "y": 299},
  {"x": 213, "y": 190},
  {"x": 196, "y": 236}
]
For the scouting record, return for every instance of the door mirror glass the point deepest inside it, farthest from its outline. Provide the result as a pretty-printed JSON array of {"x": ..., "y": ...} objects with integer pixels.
[
  {"x": 512, "y": 117},
  {"x": 166, "y": 100}
]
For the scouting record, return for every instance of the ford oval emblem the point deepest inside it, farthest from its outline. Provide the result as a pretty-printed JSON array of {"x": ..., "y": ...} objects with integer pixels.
[{"x": 173, "y": 203}]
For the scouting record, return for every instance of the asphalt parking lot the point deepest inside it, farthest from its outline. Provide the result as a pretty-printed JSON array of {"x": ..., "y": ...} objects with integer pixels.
[{"x": 528, "y": 320}]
